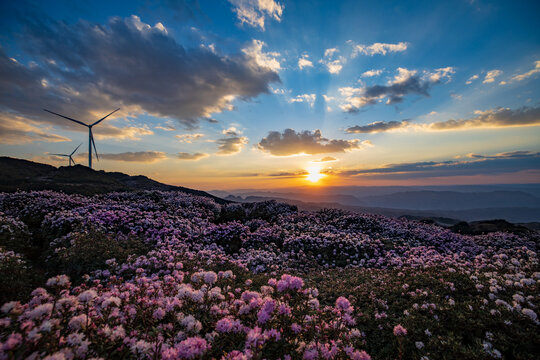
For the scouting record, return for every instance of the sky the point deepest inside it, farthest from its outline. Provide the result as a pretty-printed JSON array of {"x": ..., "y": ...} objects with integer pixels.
[{"x": 217, "y": 94}]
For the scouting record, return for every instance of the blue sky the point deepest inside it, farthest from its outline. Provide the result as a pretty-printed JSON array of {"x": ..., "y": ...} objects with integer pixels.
[{"x": 208, "y": 89}]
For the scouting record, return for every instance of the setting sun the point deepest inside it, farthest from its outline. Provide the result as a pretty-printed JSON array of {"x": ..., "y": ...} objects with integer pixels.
[{"x": 314, "y": 174}]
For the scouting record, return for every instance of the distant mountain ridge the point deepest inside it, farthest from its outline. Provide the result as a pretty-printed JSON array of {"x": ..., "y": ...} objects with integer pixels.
[
  {"x": 19, "y": 174},
  {"x": 452, "y": 200}
]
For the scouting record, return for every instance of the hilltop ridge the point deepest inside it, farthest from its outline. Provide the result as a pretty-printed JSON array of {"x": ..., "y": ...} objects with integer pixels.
[{"x": 18, "y": 174}]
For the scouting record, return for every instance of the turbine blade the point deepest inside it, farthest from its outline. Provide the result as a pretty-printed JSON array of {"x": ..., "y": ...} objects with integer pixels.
[
  {"x": 76, "y": 149},
  {"x": 103, "y": 118},
  {"x": 65, "y": 117},
  {"x": 94, "y": 144},
  {"x": 60, "y": 154},
  {"x": 73, "y": 161}
]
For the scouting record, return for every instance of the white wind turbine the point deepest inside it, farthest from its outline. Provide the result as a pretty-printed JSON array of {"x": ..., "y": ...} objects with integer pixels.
[
  {"x": 91, "y": 141},
  {"x": 70, "y": 155}
]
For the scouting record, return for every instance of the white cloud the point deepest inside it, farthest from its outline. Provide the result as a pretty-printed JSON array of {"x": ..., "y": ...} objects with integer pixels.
[
  {"x": 371, "y": 73},
  {"x": 377, "y": 48},
  {"x": 471, "y": 79},
  {"x": 529, "y": 73},
  {"x": 254, "y": 12},
  {"x": 308, "y": 98},
  {"x": 491, "y": 75},
  {"x": 333, "y": 65},
  {"x": 304, "y": 62},
  {"x": 442, "y": 73},
  {"x": 261, "y": 59}
]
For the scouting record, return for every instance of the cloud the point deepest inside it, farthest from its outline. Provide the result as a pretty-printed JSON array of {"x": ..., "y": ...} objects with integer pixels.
[
  {"x": 139, "y": 156},
  {"x": 326, "y": 159},
  {"x": 493, "y": 118},
  {"x": 377, "y": 48},
  {"x": 189, "y": 138},
  {"x": 86, "y": 69},
  {"x": 333, "y": 65},
  {"x": 107, "y": 131},
  {"x": 16, "y": 129},
  {"x": 232, "y": 145},
  {"x": 529, "y": 73},
  {"x": 166, "y": 127},
  {"x": 491, "y": 75},
  {"x": 471, "y": 79},
  {"x": 482, "y": 165},
  {"x": 304, "y": 62},
  {"x": 263, "y": 60},
  {"x": 231, "y": 131},
  {"x": 506, "y": 155},
  {"x": 306, "y": 142},
  {"x": 254, "y": 12},
  {"x": 376, "y": 127},
  {"x": 405, "y": 82},
  {"x": 307, "y": 98},
  {"x": 498, "y": 117},
  {"x": 194, "y": 156},
  {"x": 372, "y": 73}
]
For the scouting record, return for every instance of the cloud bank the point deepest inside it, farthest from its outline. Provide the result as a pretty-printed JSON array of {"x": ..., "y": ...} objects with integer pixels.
[
  {"x": 86, "y": 69},
  {"x": 479, "y": 165}
]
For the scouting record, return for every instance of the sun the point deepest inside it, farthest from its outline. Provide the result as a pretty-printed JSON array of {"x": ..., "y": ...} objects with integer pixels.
[{"x": 313, "y": 174}]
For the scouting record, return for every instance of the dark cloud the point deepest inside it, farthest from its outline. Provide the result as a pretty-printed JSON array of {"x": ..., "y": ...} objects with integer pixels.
[
  {"x": 376, "y": 127},
  {"x": 396, "y": 91},
  {"x": 139, "y": 156},
  {"x": 506, "y": 155},
  {"x": 232, "y": 145},
  {"x": 405, "y": 83},
  {"x": 499, "y": 117},
  {"x": 494, "y": 118},
  {"x": 86, "y": 69},
  {"x": 287, "y": 174},
  {"x": 479, "y": 165},
  {"x": 306, "y": 142},
  {"x": 188, "y": 156}
]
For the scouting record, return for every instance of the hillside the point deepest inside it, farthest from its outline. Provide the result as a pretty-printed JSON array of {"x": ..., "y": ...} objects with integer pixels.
[
  {"x": 167, "y": 275},
  {"x": 19, "y": 174}
]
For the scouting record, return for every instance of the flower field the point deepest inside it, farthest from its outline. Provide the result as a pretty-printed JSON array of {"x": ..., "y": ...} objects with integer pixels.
[{"x": 166, "y": 275}]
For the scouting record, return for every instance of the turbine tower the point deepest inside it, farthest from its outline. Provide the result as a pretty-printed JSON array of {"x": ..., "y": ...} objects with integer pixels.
[
  {"x": 70, "y": 155},
  {"x": 90, "y": 135}
]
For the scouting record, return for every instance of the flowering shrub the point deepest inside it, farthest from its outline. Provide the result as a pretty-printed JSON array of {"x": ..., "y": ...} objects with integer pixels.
[{"x": 169, "y": 275}]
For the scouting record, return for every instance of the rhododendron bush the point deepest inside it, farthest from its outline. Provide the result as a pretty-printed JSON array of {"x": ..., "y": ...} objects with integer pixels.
[{"x": 168, "y": 275}]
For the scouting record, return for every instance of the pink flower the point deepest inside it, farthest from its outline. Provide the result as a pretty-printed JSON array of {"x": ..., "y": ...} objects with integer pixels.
[
  {"x": 12, "y": 342},
  {"x": 342, "y": 303},
  {"x": 400, "y": 330},
  {"x": 159, "y": 313},
  {"x": 224, "y": 325},
  {"x": 192, "y": 348},
  {"x": 360, "y": 355}
]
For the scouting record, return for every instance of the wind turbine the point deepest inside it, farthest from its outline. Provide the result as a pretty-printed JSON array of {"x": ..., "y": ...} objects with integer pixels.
[
  {"x": 70, "y": 155},
  {"x": 90, "y": 135}
]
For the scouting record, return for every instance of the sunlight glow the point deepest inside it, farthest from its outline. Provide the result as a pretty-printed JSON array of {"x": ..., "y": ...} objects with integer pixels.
[{"x": 314, "y": 174}]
